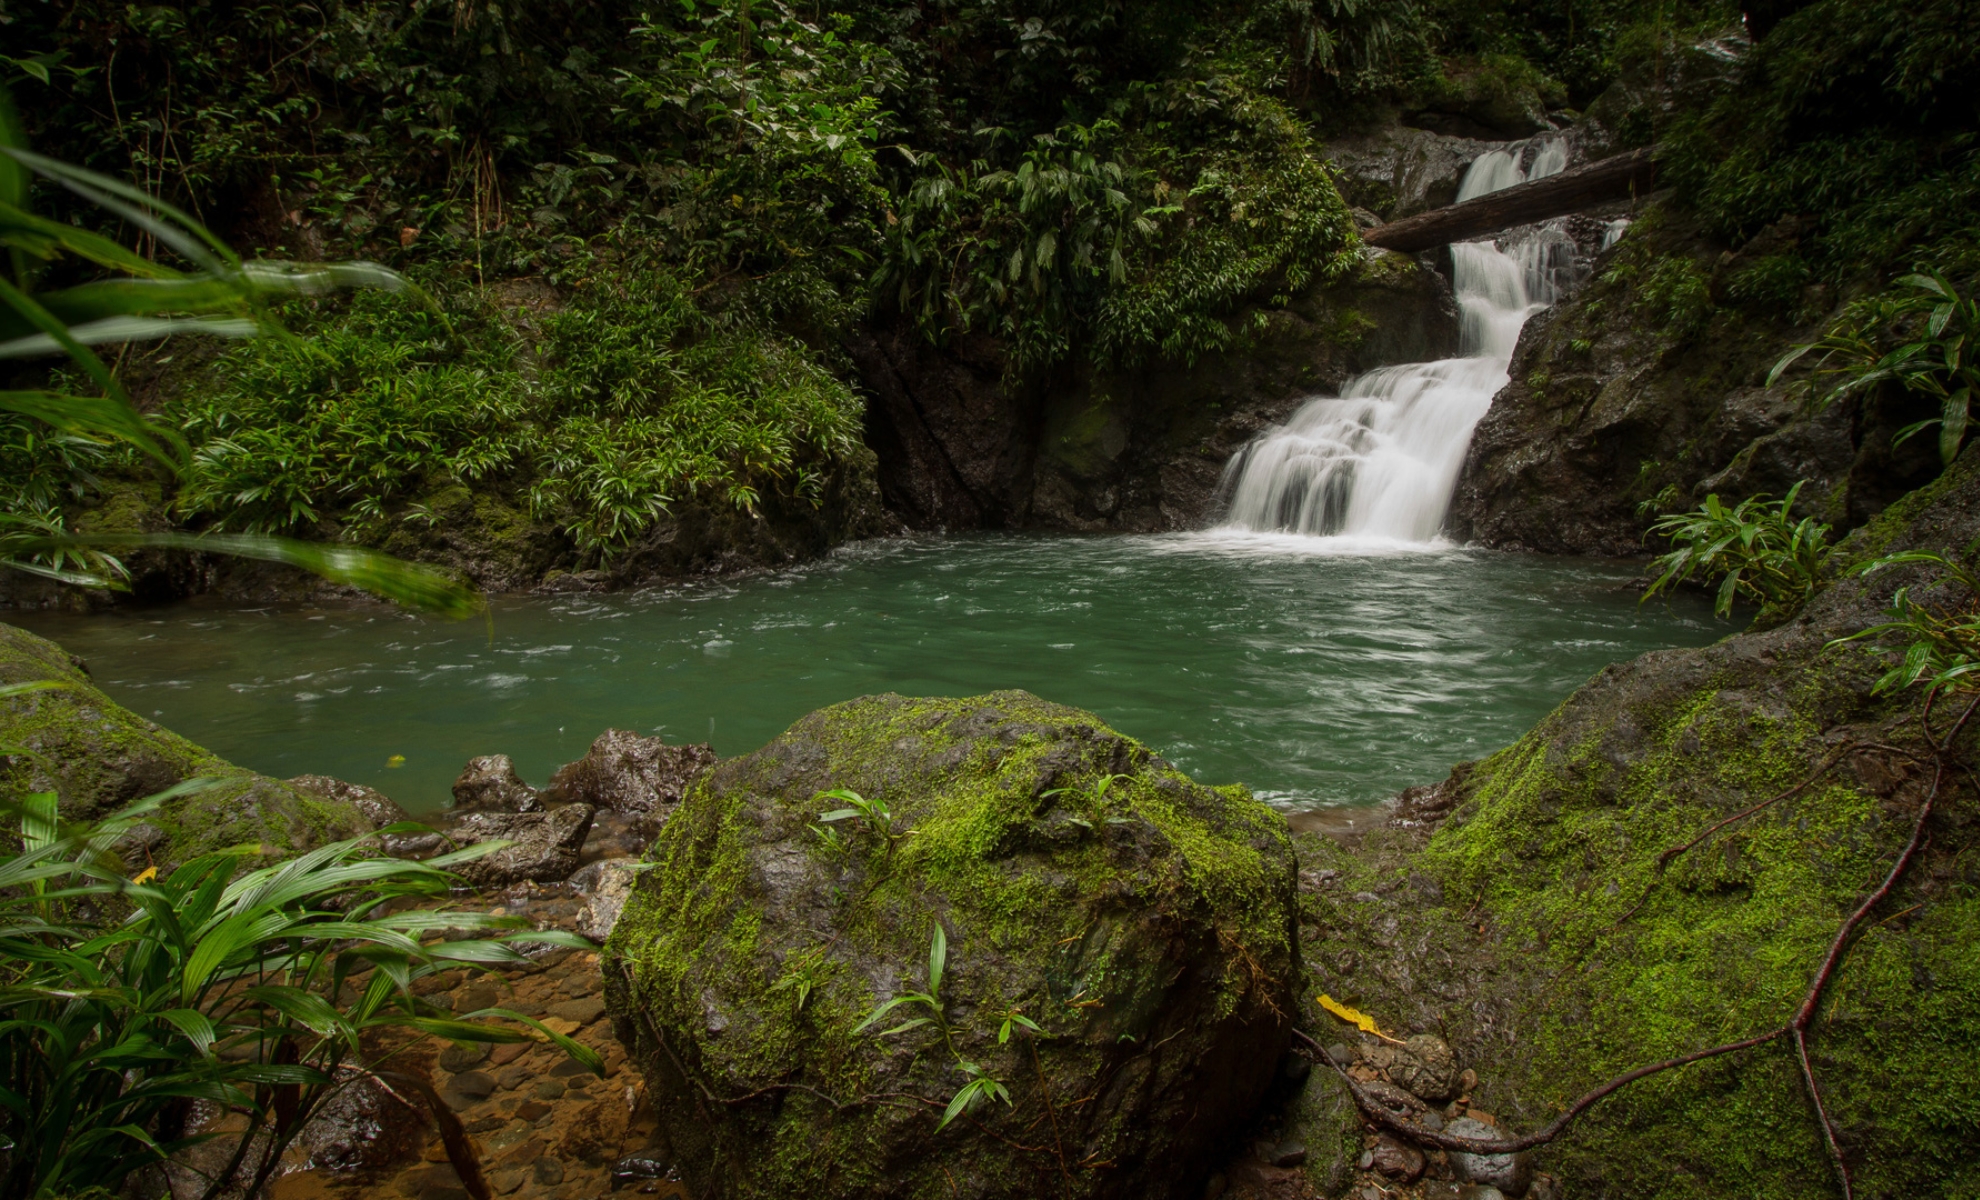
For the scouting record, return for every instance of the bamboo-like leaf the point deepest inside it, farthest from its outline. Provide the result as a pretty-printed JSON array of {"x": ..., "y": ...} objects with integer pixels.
[
  {"x": 938, "y": 957},
  {"x": 129, "y": 329},
  {"x": 410, "y": 584},
  {"x": 196, "y": 1025}
]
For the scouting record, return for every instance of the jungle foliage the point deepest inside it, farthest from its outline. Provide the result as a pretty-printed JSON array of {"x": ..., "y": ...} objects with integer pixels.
[
  {"x": 1087, "y": 180},
  {"x": 1854, "y": 122}
]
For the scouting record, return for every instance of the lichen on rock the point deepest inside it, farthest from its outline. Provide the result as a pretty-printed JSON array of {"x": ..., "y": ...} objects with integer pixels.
[{"x": 1143, "y": 921}]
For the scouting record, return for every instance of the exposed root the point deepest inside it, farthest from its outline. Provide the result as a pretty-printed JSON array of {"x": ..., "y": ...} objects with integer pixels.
[{"x": 1797, "y": 1028}]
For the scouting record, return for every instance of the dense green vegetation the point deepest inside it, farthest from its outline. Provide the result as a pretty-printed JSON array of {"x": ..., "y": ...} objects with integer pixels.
[
  {"x": 718, "y": 193},
  {"x": 242, "y": 983}
]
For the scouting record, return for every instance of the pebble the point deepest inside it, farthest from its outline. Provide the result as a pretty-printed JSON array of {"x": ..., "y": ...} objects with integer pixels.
[
  {"x": 1340, "y": 1053},
  {"x": 584, "y": 1011},
  {"x": 549, "y": 1171},
  {"x": 467, "y": 1089},
  {"x": 1289, "y": 1154},
  {"x": 1397, "y": 1159},
  {"x": 1508, "y": 1173},
  {"x": 549, "y": 1089},
  {"x": 463, "y": 1056}
]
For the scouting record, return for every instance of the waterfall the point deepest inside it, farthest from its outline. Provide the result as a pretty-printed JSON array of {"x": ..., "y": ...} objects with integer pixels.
[{"x": 1379, "y": 461}]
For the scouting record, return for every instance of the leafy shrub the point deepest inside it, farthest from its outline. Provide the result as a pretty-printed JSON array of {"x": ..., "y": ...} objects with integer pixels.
[
  {"x": 1678, "y": 295},
  {"x": 638, "y": 400},
  {"x": 245, "y": 985},
  {"x": 1756, "y": 550},
  {"x": 1936, "y": 331},
  {"x": 365, "y": 412},
  {"x": 1858, "y": 113},
  {"x": 1941, "y": 646},
  {"x": 1772, "y": 283}
]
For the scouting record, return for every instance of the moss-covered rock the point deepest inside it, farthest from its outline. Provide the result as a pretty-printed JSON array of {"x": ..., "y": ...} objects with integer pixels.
[
  {"x": 1143, "y": 921},
  {"x": 1522, "y": 931},
  {"x": 98, "y": 756},
  {"x": 1649, "y": 389}
]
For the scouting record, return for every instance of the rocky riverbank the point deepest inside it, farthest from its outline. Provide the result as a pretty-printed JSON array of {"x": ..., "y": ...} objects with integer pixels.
[{"x": 1543, "y": 921}]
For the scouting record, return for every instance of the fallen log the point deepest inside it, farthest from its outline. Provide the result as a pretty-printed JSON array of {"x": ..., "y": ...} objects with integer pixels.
[{"x": 1614, "y": 178}]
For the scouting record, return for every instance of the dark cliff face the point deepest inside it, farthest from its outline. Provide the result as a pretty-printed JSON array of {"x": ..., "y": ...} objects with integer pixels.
[
  {"x": 1647, "y": 391},
  {"x": 1133, "y": 450}
]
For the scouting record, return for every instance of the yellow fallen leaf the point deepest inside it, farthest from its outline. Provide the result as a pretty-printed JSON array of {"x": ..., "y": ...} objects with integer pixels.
[
  {"x": 397, "y": 760},
  {"x": 146, "y": 875},
  {"x": 1355, "y": 1017}
]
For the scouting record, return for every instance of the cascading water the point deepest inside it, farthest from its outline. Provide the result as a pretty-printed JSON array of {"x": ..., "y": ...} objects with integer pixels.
[{"x": 1379, "y": 461}]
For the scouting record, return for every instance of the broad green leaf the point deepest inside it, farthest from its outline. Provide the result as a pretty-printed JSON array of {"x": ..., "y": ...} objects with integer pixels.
[{"x": 196, "y": 1025}]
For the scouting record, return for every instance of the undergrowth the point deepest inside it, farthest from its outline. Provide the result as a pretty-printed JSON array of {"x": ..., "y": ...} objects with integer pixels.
[{"x": 606, "y": 413}]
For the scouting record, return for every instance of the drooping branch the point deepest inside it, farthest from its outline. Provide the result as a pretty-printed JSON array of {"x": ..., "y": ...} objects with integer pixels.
[{"x": 1616, "y": 178}]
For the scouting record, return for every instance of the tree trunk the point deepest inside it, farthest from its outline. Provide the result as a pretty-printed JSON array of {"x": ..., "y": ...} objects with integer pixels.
[{"x": 1615, "y": 178}]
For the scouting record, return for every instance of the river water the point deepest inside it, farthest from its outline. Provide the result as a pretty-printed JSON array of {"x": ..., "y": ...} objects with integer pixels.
[{"x": 1321, "y": 672}]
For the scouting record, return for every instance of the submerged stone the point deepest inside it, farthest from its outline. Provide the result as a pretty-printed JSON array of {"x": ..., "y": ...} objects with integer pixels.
[{"x": 1143, "y": 921}]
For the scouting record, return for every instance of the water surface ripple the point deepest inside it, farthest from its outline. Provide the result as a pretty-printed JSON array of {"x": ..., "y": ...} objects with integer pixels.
[{"x": 1318, "y": 671}]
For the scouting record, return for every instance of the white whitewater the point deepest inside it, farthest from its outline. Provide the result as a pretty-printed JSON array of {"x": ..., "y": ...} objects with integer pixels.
[{"x": 1379, "y": 462}]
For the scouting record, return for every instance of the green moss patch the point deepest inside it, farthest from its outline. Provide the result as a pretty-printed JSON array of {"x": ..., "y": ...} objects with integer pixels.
[{"x": 1142, "y": 920}]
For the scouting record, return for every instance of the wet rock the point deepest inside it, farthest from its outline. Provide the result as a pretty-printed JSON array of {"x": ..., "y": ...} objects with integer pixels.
[
  {"x": 1183, "y": 960},
  {"x": 545, "y": 850},
  {"x": 1479, "y": 1191},
  {"x": 1510, "y": 1173},
  {"x": 362, "y": 1129},
  {"x": 1397, "y": 1159},
  {"x": 621, "y": 835},
  {"x": 1288, "y": 1154},
  {"x": 594, "y": 1136},
  {"x": 548, "y": 1171},
  {"x": 637, "y": 1168},
  {"x": 490, "y": 784},
  {"x": 378, "y": 808},
  {"x": 605, "y": 886},
  {"x": 1426, "y": 1068},
  {"x": 463, "y": 1056},
  {"x": 628, "y": 773},
  {"x": 1393, "y": 1098},
  {"x": 1399, "y": 172},
  {"x": 99, "y": 757},
  {"x": 468, "y": 1089}
]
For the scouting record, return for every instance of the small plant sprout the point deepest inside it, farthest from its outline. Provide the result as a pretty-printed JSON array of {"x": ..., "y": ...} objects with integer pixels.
[
  {"x": 1941, "y": 647},
  {"x": 1935, "y": 329},
  {"x": 981, "y": 1086},
  {"x": 1014, "y": 1018},
  {"x": 981, "y": 1083},
  {"x": 938, "y": 958},
  {"x": 1095, "y": 791},
  {"x": 802, "y": 974},
  {"x": 873, "y": 815}
]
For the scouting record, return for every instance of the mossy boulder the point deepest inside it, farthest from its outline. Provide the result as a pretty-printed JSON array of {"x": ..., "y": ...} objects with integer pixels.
[
  {"x": 1143, "y": 921},
  {"x": 1536, "y": 930},
  {"x": 98, "y": 757}
]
